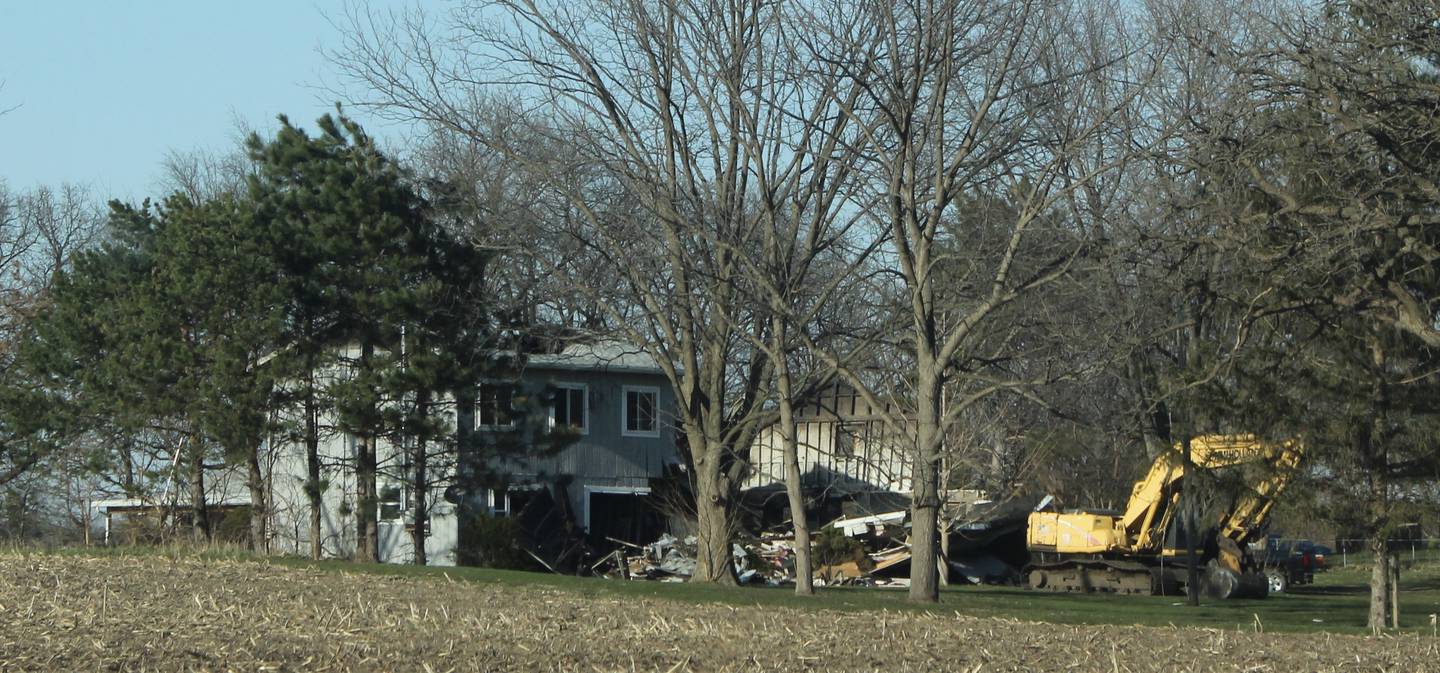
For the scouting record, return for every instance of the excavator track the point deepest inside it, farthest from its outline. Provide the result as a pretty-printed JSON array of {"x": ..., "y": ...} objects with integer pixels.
[{"x": 1099, "y": 575}]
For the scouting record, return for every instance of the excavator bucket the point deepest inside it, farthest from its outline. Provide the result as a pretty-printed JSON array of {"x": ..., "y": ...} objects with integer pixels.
[{"x": 1224, "y": 584}]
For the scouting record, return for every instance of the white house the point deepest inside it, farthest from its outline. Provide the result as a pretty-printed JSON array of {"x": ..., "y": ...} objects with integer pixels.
[{"x": 610, "y": 404}]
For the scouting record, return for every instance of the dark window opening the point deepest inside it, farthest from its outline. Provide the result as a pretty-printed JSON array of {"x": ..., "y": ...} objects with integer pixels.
[
  {"x": 568, "y": 410},
  {"x": 640, "y": 411},
  {"x": 494, "y": 405}
]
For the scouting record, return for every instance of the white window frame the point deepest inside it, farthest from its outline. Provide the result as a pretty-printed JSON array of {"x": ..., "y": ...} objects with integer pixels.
[
  {"x": 625, "y": 430},
  {"x": 402, "y": 502},
  {"x": 585, "y": 401},
  {"x": 479, "y": 424},
  {"x": 617, "y": 490},
  {"x": 503, "y": 499}
]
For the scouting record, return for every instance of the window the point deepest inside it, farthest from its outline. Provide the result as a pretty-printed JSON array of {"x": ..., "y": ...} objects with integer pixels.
[
  {"x": 846, "y": 437},
  {"x": 499, "y": 503},
  {"x": 568, "y": 410},
  {"x": 638, "y": 414},
  {"x": 391, "y": 503},
  {"x": 493, "y": 406}
]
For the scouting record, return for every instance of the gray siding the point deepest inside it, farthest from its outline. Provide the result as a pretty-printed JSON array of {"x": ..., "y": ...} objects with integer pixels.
[{"x": 605, "y": 457}]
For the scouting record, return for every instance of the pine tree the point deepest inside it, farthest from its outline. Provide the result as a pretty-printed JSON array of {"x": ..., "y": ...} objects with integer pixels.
[
  {"x": 1326, "y": 188},
  {"x": 161, "y": 331},
  {"x": 377, "y": 284}
]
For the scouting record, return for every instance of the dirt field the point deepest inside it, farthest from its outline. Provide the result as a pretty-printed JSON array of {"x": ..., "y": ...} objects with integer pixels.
[{"x": 141, "y": 614}]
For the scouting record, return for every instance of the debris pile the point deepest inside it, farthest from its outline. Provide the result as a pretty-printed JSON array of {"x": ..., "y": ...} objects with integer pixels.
[{"x": 863, "y": 551}]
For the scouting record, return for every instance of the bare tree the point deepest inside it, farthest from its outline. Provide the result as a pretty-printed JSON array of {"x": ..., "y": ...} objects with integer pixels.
[
  {"x": 12, "y": 108},
  {"x": 1324, "y": 177},
  {"x": 985, "y": 107},
  {"x": 681, "y": 119},
  {"x": 814, "y": 237},
  {"x": 203, "y": 175},
  {"x": 40, "y": 229},
  {"x": 512, "y": 214}
]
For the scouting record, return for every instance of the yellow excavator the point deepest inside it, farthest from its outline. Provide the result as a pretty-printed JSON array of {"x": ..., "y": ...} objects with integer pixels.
[{"x": 1143, "y": 550}]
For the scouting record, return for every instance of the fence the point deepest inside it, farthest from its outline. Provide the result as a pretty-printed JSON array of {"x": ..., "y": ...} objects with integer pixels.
[{"x": 1356, "y": 551}]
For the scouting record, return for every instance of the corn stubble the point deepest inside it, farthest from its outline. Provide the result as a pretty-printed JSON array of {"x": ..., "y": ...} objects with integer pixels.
[{"x": 164, "y": 614}]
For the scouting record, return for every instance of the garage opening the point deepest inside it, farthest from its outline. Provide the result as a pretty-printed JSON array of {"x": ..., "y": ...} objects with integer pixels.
[{"x": 630, "y": 515}]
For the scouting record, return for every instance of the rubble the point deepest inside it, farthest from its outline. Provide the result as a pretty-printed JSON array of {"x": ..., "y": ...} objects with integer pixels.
[
  {"x": 863, "y": 525},
  {"x": 770, "y": 558},
  {"x": 872, "y": 550}
]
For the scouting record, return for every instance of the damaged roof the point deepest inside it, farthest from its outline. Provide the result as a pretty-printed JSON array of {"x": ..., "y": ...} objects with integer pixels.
[{"x": 604, "y": 356}]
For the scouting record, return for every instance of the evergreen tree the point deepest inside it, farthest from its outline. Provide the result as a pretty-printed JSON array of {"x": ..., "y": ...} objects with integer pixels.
[
  {"x": 161, "y": 331},
  {"x": 214, "y": 262},
  {"x": 1325, "y": 185},
  {"x": 376, "y": 283}
]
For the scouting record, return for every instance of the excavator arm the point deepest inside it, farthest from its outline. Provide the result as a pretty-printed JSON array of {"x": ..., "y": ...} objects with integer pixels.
[
  {"x": 1245, "y": 520},
  {"x": 1153, "y": 501},
  {"x": 1084, "y": 551}
]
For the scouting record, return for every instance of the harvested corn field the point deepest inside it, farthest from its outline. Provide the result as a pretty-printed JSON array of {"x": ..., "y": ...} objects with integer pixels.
[{"x": 61, "y": 613}]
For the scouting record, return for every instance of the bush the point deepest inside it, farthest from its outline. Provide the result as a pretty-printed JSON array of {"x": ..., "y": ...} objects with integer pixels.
[
  {"x": 231, "y": 525},
  {"x": 833, "y": 547},
  {"x": 492, "y": 542}
]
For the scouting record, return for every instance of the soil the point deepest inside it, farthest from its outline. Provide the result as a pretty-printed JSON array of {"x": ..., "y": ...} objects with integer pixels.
[{"x": 62, "y": 613}]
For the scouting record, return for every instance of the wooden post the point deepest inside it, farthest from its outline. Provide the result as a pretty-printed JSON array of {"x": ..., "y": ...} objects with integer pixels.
[
  {"x": 942, "y": 566},
  {"x": 86, "y": 521},
  {"x": 943, "y": 562},
  {"x": 1395, "y": 591}
]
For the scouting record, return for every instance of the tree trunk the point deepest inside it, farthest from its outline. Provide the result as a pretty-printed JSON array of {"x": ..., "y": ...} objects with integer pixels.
[
  {"x": 127, "y": 463},
  {"x": 712, "y": 516},
  {"x": 1153, "y": 414},
  {"x": 1191, "y": 520},
  {"x": 199, "y": 510},
  {"x": 420, "y": 483},
  {"x": 1380, "y": 578},
  {"x": 925, "y": 500},
  {"x": 259, "y": 504},
  {"x": 366, "y": 499},
  {"x": 942, "y": 562},
  {"x": 88, "y": 522},
  {"x": 1190, "y": 481},
  {"x": 1374, "y": 460},
  {"x": 314, "y": 486},
  {"x": 804, "y": 575},
  {"x": 1395, "y": 592},
  {"x": 367, "y": 535}
]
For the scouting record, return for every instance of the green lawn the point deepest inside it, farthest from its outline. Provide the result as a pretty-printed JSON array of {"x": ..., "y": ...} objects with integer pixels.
[{"x": 1337, "y": 602}]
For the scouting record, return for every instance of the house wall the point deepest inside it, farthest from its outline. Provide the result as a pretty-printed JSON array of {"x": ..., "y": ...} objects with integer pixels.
[
  {"x": 844, "y": 446},
  {"x": 863, "y": 458},
  {"x": 290, "y": 507},
  {"x": 605, "y": 458},
  {"x": 396, "y": 545}
]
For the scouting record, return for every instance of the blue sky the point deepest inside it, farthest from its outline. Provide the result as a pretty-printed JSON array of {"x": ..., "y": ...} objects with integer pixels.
[{"x": 106, "y": 88}]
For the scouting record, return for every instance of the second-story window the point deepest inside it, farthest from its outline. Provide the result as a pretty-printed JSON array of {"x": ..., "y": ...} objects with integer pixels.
[
  {"x": 493, "y": 406},
  {"x": 638, "y": 414},
  {"x": 568, "y": 409}
]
